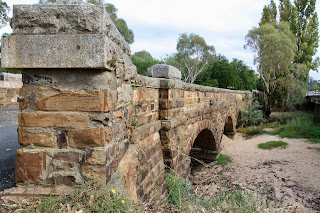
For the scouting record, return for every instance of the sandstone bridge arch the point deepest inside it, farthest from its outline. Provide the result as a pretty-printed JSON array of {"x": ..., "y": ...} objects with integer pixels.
[{"x": 86, "y": 113}]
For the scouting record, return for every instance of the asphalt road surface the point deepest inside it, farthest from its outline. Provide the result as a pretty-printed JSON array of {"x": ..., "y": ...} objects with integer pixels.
[{"x": 8, "y": 145}]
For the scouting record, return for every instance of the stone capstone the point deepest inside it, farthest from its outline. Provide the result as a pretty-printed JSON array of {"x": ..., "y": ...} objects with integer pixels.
[
  {"x": 164, "y": 71},
  {"x": 66, "y": 17},
  {"x": 57, "y": 51}
]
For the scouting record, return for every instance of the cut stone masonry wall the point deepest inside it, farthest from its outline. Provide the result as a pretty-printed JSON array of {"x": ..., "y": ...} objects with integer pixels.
[{"x": 86, "y": 113}]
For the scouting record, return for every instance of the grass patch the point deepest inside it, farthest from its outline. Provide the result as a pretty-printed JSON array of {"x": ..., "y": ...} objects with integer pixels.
[
  {"x": 227, "y": 199},
  {"x": 314, "y": 140},
  {"x": 297, "y": 125},
  {"x": 318, "y": 149},
  {"x": 95, "y": 197},
  {"x": 223, "y": 160},
  {"x": 272, "y": 145},
  {"x": 181, "y": 192},
  {"x": 89, "y": 197},
  {"x": 250, "y": 131},
  {"x": 237, "y": 200}
]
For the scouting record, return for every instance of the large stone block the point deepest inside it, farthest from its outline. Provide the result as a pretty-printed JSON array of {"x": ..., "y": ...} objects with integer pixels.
[
  {"x": 96, "y": 156},
  {"x": 164, "y": 71},
  {"x": 53, "y": 119},
  {"x": 27, "y": 138},
  {"x": 52, "y": 100},
  {"x": 57, "y": 18},
  {"x": 57, "y": 51},
  {"x": 93, "y": 172},
  {"x": 86, "y": 138},
  {"x": 30, "y": 166},
  {"x": 63, "y": 17}
]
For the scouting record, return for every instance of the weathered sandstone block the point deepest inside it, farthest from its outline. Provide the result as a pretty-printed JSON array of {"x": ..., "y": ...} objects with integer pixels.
[
  {"x": 27, "y": 138},
  {"x": 57, "y": 51},
  {"x": 96, "y": 156},
  {"x": 30, "y": 166},
  {"x": 54, "y": 18},
  {"x": 53, "y": 119},
  {"x": 52, "y": 100},
  {"x": 63, "y": 18},
  {"x": 93, "y": 172},
  {"x": 164, "y": 71},
  {"x": 85, "y": 138}
]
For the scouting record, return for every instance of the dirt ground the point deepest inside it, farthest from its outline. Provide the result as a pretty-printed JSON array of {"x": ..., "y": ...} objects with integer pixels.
[{"x": 289, "y": 176}]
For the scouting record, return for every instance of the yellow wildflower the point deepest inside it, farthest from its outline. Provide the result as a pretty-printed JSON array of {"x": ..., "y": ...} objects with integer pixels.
[
  {"x": 113, "y": 191},
  {"x": 122, "y": 201}
]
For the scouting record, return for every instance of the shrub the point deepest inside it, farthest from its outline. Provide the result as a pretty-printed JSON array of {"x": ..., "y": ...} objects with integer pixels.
[{"x": 251, "y": 116}]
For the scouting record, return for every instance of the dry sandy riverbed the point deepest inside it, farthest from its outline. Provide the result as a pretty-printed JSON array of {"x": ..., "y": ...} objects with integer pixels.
[{"x": 291, "y": 176}]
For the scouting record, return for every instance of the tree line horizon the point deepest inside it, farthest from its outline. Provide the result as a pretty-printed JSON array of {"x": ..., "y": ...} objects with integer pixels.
[{"x": 284, "y": 45}]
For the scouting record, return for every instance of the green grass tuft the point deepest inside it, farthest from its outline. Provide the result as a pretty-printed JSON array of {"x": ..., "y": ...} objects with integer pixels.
[
  {"x": 272, "y": 145},
  {"x": 180, "y": 191},
  {"x": 314, "y": 140},
  {"x": 223, "y": 160},
  {"x": 296, "y": 125},
  {"x": 251, "y": 130},
  {"x": 318, "y": 149}
]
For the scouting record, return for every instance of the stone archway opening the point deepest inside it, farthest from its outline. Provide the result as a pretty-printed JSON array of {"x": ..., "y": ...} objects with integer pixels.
[
  {"x": 228, "y": 127},
  {"x": 204, "y": 149}
]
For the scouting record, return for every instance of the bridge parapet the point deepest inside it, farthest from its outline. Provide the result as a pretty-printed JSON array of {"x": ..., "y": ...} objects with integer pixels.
[{"x": 86, "y": 113}]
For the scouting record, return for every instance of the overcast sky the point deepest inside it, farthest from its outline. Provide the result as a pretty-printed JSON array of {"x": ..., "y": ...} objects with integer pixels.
[{"x": 156, "y": 24}]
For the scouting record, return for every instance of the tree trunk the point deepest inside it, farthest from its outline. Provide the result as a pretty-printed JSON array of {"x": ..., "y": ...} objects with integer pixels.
[{"x": 267, "y": 111}]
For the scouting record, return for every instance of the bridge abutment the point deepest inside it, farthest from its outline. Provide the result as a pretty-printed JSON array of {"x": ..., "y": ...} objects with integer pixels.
[{"x": 87, "y": 115}]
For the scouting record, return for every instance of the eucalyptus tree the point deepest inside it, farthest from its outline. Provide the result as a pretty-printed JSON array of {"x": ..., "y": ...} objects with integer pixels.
[
  {"x": 304, "y": 24},
  {"x": 274, "y": 48},
  {"x": 193, "y": 56},
  {"x": 4, "y": 9}
]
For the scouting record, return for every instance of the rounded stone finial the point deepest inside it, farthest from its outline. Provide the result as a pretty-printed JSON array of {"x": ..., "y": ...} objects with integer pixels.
[{"x": 164, "y": 71}]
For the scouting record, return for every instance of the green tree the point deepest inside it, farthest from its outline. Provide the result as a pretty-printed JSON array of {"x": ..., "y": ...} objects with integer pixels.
[
  {"x": 269, "y": 14},
  {"x": 119, "y": 22},
  {"x": 224, "y": 74},
  {"x": 304, "y": 24},
  {"x": 193, "y": 56},
  {"x": 274, "y": 48},
  {"x": 4, "y": 9},
  {"x": 143, "y": 60},
  {"x": 247, "y": 77},
  {"x": 307, "y": 33}
]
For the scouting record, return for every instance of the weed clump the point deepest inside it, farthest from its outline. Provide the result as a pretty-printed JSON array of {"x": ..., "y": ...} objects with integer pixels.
[
  {"x": 223, "y": 160},
  {"x": 180, "y": 191},
  {"x": 89, "y": 197}
]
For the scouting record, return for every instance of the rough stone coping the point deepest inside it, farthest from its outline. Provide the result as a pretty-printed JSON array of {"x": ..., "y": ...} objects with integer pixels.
[
  {"x": 163, "y": 71},
  {"x": 62, "y": 17},
  {"x": 56, "y": 51},
  {"x": 160, "y": 83}
]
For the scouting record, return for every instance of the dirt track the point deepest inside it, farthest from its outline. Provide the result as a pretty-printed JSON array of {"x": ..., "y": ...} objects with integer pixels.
[{"x": 290, "y": 175}]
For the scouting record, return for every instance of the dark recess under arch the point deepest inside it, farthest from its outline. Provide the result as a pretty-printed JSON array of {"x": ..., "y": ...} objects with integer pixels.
[{"x": 204, "y": 148}]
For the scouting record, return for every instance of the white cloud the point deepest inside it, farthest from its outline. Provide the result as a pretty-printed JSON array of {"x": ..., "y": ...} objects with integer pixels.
[
  {"x": 157, "y": 24},
  {"x": 157, "y": 47}
]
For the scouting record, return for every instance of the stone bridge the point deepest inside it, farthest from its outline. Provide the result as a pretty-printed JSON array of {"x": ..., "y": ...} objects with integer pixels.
[
  {"x": 86, "y": 113},
  {"x": 313, "y": 102}
]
